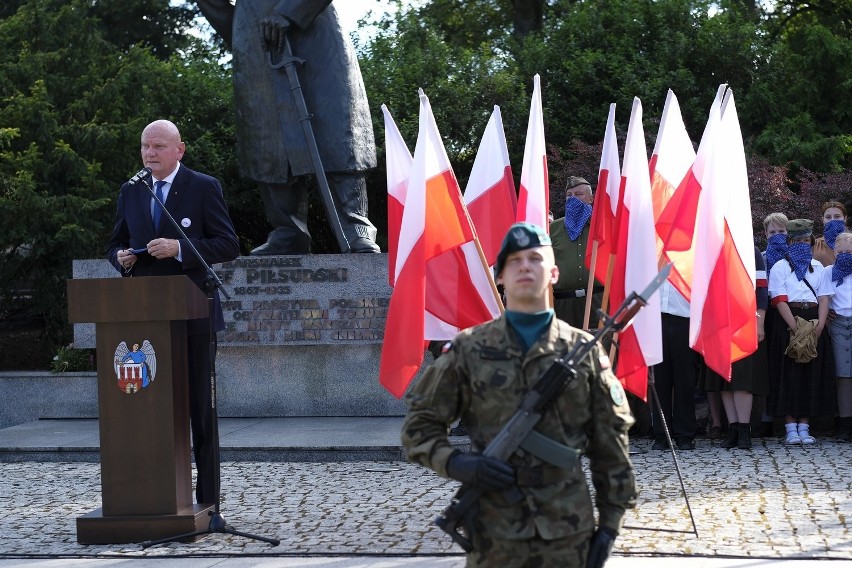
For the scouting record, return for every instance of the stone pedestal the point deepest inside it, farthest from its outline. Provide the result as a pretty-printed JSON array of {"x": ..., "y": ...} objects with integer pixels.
[{"x": 303, "y": 338}]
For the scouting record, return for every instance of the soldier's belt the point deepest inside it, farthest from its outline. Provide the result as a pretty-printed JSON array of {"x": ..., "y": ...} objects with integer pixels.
[
  {"x": 541, "y": 475},
  {"x": 551, "y": 451},
  {"x": 569, "y": 294}
]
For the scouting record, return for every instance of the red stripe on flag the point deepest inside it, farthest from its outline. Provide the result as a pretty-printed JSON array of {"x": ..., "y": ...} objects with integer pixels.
[
  {"x": 401, "y": 356},
  {"x": 600, "y": 229},
  {"x": 492, "y": 213},
  {"x": 395, "y": 210},
  {"x": 728, "y": 331},
  {"x": 444, "y": 213},
  {"x": 456, "y": 300}
]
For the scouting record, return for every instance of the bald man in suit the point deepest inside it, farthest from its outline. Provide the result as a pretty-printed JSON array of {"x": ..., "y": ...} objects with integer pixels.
[{"x": 196, "y": 201}]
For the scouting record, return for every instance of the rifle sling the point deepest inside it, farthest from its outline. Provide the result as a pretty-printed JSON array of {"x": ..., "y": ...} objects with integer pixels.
[{"x": 549, "y": 450}]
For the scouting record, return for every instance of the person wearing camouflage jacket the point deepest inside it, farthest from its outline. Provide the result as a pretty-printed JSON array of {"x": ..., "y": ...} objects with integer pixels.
[{"x": 533, "y": 513}]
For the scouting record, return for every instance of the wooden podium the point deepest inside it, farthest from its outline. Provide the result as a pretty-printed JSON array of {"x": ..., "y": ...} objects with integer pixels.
[{"x": 146, "y": 472}]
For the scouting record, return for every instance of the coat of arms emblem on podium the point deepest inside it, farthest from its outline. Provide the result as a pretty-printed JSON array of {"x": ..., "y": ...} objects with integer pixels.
[{"x": 136, "y": 367}]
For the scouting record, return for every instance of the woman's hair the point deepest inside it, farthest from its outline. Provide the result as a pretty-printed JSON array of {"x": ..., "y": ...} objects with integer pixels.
[
  {"x": 829, "y": 204},
  {"x": 777, "y": 219}
]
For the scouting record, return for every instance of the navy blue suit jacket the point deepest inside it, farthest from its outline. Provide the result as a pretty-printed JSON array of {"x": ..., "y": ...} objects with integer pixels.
[{"x": 196, "y": 202}]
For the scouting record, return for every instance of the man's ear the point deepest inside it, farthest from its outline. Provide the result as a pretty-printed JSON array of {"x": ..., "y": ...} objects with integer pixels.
[{"x": 554, "y": 274}]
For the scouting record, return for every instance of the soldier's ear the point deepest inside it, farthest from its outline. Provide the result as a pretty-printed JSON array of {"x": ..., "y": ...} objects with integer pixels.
[{"x": 554, "y": 274}]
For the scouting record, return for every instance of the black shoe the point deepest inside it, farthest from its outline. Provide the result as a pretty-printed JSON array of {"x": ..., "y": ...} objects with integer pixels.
[
  {"x": 685, "y": 444},
  {"x": 459, "y": 430},
  {"x": 731, "y": 439},
  {"x": 763, "y": 431},
  {"x": 744, "y": 437},
  {"x": 844, "y": 430},
  {"x": 660, "y": 445}
]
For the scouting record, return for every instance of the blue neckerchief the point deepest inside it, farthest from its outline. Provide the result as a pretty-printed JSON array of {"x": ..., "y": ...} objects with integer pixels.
[
  {"x": 842, "y": 267},
  {"x": 776, "y": 249},
  {"x": 831, "y": 230},
  {"x": 529, "y": 326},
  {"x": 800, "y": 257},
  {"x": 577, "y": 214}
]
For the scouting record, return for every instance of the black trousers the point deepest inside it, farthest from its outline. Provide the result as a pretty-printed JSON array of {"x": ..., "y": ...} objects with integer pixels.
[
  {"x": 201, "y": 418},
  {"x": 675, "y": 379}
]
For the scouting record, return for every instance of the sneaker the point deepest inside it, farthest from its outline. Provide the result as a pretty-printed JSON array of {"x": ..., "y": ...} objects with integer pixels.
[
  {"x": 660, "y": 445},
  {"x": 793, "y": 438},
  {"x": 807, "y": 438},
  {"x": 685, "y": 444}
]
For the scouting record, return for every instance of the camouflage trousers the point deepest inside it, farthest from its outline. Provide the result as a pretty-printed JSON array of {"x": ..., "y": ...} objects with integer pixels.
[{"x": 568, "y": 552}]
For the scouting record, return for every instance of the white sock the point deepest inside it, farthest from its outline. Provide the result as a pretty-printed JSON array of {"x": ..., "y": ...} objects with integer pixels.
[
  {"x": 803, "y": 429},
  {"x": 790, "y": 427}
]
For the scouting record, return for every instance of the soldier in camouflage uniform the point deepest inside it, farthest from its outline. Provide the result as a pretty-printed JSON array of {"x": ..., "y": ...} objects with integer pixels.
[{"x": 533, "y": 513}]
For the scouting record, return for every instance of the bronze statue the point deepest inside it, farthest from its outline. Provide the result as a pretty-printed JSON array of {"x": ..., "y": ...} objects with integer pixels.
[{"x": 271, "y": 146}]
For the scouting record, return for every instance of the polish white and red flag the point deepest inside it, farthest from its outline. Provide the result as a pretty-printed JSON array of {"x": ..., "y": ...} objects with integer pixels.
[
  {"x": 676, "y": 223},
  {"x": 604, "y": 210},
  {"x": 534, "y": 193},
  {"x": 671, "y": 160},
  {"x": 398, "y": 165},
  {"x": 436, "y": 275},
  {"x": 722, "y": 324},
  {"x": 640, "y": 345},
  {"x": 490, "y": 193}
]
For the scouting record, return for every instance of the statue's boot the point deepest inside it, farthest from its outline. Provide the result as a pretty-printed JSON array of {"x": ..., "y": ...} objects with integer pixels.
[
  {"x": 351, "y": 200},
  {"x": 283, "y": 242},
  {"x": 287, "y": 210}
]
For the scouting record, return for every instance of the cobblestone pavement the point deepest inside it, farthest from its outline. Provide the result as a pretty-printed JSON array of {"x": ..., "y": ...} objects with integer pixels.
[{"x": 772, "y": 501}]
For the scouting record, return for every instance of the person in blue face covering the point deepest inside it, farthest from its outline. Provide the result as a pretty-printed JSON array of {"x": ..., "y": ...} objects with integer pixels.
[
  {"x": 836, "y": 283},
  {"x": 570, "y": 236},
  {"x": 801, "y": 361},
  {"x": 833, "y": 223}
]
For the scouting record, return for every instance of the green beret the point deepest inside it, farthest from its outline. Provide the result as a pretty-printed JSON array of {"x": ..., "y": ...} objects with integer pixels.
[
  {"x": 575, "y": 181},
  {"x": 521, "y": 236},
  {"x": 800, "y": 228}
]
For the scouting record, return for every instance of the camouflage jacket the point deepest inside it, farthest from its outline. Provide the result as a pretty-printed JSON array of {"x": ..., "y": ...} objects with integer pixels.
[{"x": 482, "y": 378}]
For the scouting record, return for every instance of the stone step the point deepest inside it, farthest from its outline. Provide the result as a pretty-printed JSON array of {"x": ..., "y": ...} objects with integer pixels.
[{"x": 305, "y": 439}]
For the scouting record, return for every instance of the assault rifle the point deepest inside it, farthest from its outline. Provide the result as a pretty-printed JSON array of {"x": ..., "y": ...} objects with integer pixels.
[{"x": 459, "y": 514}]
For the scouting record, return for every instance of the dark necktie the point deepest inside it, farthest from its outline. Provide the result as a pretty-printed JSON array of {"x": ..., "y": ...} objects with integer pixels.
[{"x": 158, "y": 212}]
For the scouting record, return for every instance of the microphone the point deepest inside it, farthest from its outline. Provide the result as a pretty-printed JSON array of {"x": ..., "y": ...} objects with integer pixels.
[{"x": 140, "y": 175}]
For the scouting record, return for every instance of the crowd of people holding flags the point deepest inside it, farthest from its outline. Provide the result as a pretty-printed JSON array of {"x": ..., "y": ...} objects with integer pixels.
[
  {"x": 735, "y": 321},
  {"x": 802, "y": 368},
  {"x": 711, "y": 324}
]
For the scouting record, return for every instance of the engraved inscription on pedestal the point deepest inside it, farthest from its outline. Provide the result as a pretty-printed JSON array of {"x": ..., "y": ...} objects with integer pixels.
[{"x": 308, "y": 300}]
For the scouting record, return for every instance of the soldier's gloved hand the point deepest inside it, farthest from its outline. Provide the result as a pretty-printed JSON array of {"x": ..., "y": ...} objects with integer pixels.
[
  {"x": 600, "y": 547},
  {"x": 475, "y": 469}
]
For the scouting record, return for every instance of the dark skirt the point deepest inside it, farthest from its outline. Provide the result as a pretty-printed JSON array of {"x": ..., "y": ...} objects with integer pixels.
[
  {"x": 801, "y": 390},
  {"x": 750, "y": 374}
]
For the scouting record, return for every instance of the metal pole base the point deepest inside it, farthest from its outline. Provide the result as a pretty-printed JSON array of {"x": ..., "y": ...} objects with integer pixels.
[{"x": 217, "y": 525}]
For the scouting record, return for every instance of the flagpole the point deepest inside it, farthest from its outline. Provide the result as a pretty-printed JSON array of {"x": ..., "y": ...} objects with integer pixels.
[
  {"x": 479, "y": 250},
  {"x": 485, "y": 266},
  {"x": 608, "y": 284},
  {"x": 590, "y": 286}
]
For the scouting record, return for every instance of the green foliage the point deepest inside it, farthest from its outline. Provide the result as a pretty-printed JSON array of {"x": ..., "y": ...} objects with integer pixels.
[
  {"x": 788, "y": 66},
  {"x": 588, "y": 54},
  {"x": 72, "y": 107},
  {"x": 806, "y": 101},
  {"x": 70, "y": 360}
]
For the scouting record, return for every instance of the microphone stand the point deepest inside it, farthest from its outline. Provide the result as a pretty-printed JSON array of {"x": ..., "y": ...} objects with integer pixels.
[{"x": 211, "y": 284}]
